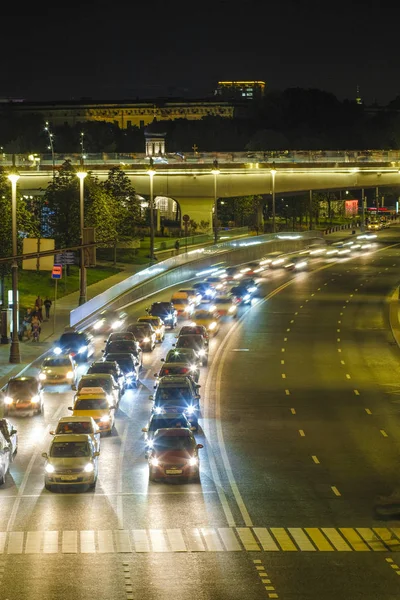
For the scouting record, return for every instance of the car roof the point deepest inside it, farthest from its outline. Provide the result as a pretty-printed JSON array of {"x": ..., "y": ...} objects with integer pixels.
[
  {"x": 162, "y": 303},
  {"x": 168, "y": 416},
  {"x": 191, "y": 335},
  {"x": 110, "y": 363},
  {"x": 173, "y": 380},
  {"x": 223, "y": 298},
  {"x": 120, "y": 355},
  {"x": 66, "y": 356},
  {"x": 24, "y": 378},
  {"x": 97, "y": 375},
  {"x": 173, "y": 432},
  {"x": 91, "y": 391},
  {"x": 75, "y": 419},
  {"x": 70, "y": 437}
]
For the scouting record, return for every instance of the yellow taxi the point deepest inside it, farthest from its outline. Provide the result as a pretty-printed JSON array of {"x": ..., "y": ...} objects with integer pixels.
[
  {"x": 96, "y": 403},
  {"x": 208, "y": 318},
  {"x": 158, "y": 326}
]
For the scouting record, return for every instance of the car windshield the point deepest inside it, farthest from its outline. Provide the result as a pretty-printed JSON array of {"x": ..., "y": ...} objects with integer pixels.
[
  {"x": 189, "y": 341},
  {"x": 69, "y": 449},
  {"x": 180, "y": 301},
  {"x": 222, "y": 301},
  {"x": 126, "y": 335},
  {"x": 18, "y": 385},
  {"x": 125, "y": 363},
  {"x": 169, "y": 442},
  {"x": 92, "y": 382},
  {"x": 74, "y": 427},
  {"x": 57, "y": 362},
  {"x": 160, "y": 309},
  {"x": 173, "y": 395},
  {"x": 177, "y": 356},
  {"x": 92, "y": 404},
  {"x": 140, "y": 332},
  {"x": 121, "y": 346},
  {"x": 162, "y": 423},
  {"x": 204, "y": 314},
  {"x": 71, "y": 338}
]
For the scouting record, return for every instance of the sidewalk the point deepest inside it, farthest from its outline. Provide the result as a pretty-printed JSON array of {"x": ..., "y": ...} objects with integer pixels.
[{"x": 30, "y": 351}]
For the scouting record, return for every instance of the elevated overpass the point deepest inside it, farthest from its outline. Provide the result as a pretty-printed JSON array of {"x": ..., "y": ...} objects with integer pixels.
[{"x": 193, "y": 181}]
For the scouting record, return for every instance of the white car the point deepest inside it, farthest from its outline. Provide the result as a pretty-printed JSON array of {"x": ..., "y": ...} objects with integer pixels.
[
  {"x": 79, "y": 425},
  {"x": 5, "y": 458},
  {"x": 58, "y": 370}
]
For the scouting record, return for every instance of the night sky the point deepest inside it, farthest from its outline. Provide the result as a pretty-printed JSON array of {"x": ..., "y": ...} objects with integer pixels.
[{"x": 181, "y": 49}]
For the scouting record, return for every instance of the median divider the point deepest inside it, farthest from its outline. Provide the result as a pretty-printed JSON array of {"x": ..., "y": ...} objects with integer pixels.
[{"x": 186, "y": 266}]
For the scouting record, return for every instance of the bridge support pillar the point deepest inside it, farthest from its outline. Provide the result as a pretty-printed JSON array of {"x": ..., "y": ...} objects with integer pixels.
[{"x": 199, "y": 210}]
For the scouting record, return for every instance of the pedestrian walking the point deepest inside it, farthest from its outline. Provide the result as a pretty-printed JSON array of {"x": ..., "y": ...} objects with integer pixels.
[
  {"x": 47, "y": 305},
  {"x": 177, "y": 246},
  {"x": 39, "y": 307},
  {"x": 35, "y": 328}
]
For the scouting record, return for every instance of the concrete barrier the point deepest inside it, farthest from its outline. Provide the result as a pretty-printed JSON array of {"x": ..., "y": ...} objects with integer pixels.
[{"x": 184, "y": 267}]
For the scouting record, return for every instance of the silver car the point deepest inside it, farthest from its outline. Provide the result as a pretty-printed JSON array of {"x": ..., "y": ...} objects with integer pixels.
[
  {"x": 5, "y": 458},
  {"x": 71, "y": 460}
]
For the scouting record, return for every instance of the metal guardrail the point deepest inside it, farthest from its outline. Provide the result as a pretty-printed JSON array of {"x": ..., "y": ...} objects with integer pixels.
[
  {"x": 194, "y": 240},
  {"x": 179, "y": 269},
  {"x": 37, "y": 161}
]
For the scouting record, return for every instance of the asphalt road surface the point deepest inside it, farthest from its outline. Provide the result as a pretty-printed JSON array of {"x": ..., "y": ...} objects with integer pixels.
[{"x": 300, "y": 426}]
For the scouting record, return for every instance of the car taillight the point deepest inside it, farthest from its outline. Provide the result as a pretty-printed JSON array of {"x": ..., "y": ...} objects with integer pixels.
[{"x": 184, "y": 370}]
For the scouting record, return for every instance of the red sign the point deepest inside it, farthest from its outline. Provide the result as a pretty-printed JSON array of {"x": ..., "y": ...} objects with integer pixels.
[
  {"x": 57, "y": 272},
  {"x": 351, "y": 208}
]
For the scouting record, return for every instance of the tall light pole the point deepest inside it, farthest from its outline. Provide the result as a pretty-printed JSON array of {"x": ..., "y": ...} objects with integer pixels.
[
  {"x": 273, "y": 173},
  {"x": 82, "y": 149},
  {"x": 82, "y": 284},
  {"x": 215, "y": 171},
  {"x": 15, "y": 356},
  {"x": 51, "y": 147},
  {"x": 151, "y": 172}
]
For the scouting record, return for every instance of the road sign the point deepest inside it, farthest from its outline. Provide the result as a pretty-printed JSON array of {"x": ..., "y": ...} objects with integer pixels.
[
  {"x": 57, "y": 272},
  {"x": 65, "y": 258},
  {"x": 186, "y": 218}
]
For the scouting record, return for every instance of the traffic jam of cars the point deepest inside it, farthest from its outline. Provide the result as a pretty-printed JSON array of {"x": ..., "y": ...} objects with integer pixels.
[{"x": 99, "y": 382}]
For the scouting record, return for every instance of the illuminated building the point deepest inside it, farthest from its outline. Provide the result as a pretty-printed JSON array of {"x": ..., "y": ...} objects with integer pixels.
[{"x": 240, "y": 90}]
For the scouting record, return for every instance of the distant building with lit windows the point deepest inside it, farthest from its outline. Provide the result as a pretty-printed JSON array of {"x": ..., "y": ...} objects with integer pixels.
[{"x": 240, "y": 90}]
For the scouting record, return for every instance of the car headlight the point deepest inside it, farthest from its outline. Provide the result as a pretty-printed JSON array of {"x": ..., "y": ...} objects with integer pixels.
[
  {"x": 146, "y": 339},
  {"x": 212, "y": 325},
  {"x": 8, "y": 400},
  {"x": 82, "y": 349},
  {"x": 110, "y": 398},
  {"x": 149, "y": 443},
  {"x": 193, "y": 368},
  {"x": 129, "y": 379},
  {"x": 193, "y": 462},
  {"x": 212, "y": 308},
  {"x": 190, "y": 409},
  {"x": 154, "y": 462},
  {"x": 158, "y": 410},
  {"x": 49, "y": 468},
  {"x": 116, "y": 325},
  {"x": 35, "y": 399},
  {"x": 252, "y": 289},
  {"x": 158, "y": 330},
  {"x": 105, "y": 419},
  {"x": 89, "y": 468},
  {"x": 232, "y": 309},
  {"x": 202, "y": 352},
  {"x": 69, "y": 375},
  {"x": 246, "y": 297},
  {"x": 57, "y": 350},
  {"x": 209, "y": 292},
  {"x": 98, "y": 324},
  {"x": 168, "y": 317},
  {"x": 42, "y": 376}
]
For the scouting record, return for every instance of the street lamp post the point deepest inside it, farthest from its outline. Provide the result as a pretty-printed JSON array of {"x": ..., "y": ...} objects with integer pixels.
[
  {"x": 273, "y": 173},
  {"x": 82, "y": 284},
  {"x": 15, "y": 356},
  {"x": 215, "y": 171},
  {"x": 151, "y": 172},
  {"x": 51, "y": 147}
]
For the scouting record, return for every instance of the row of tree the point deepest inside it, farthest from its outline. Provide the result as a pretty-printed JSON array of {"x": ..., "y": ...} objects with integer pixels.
[{"x": 295, "y": 118}]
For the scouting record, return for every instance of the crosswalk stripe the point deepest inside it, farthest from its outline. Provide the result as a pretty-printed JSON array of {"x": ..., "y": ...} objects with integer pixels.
[
  {"x": 69, "y": 544},
  {"x": 212, "y": 540},
  {"x": 354, "y": 539},
  {"x": 176, "y": 540},
  {"x": 140, "y": 540},
  {"x": 389, "y": 539},
  {"x": 158, "y": 541},
  {"x": 265, "y": 539},
  {"x": 88, "y": 544},
  {"x": 195, "y": 541},
  {"x": 15, "y": 542},
  {"x": 105, "y": 541},
  {"x": 319, "y": 539},
  {"x": 248, "y": 540},
  {"x": 336, "y": 539},
  {"x": 283, "y": 539},
  {"x": 3, "y": 536},
  {"x": 122, "y": 541},
  {"x": 301, "y": 539},
  {"x": 229, "y": 539},
  {"x": 50, "y": 542},
  {"x": 371, "y": 538},
  {"x": 396, "y": 531},
  {"x": 33, "y": 542}
]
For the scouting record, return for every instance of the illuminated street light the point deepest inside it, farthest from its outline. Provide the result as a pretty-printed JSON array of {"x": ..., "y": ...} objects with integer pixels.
[
  {"x": 273, "y": 173},
  {"x": 15, "y": 356},
  {"x": 151, "y": 172},
  {"x": 51, "y": 146},
  {"x": 82, "y": 284},
  {"x": 215, "y": 171}
]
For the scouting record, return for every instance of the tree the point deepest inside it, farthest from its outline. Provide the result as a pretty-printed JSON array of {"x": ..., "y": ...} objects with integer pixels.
[
  {"x": 125, "y": 201},
  {"x": 100, "y": 210}
]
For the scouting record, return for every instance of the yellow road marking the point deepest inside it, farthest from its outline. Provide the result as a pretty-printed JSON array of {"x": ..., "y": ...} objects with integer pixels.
[
  {"x": 367, "y": 410},
  {"x": 315, "y": 459},
  {"x": 356, "y": 392},
  {"x": 337, "y": 330},
  {"x": 319, "y": 539},
  {"x": 301, "y": 539},
  {"x": 248, "y": 540},
  {"x": 285, "y": 339},
  {"x": 283, "y": 376},
  {"x": 335, "y": 490},
  {"x": 338, "y": 340},
  {"x": 354, "y": 539},
  {"x": 283, "y": 539},
  {"x": 293, "y": 411},
  {"x": 302, "y": 434},
  {"x": 336, "y": 539},
  {"x": 287, "y": 392},
  {"x": 372, "y": 540},
  {"x": 265, "y": 539},
  {"x": 348, "y": 376},
  {"x": 383, "y": 432},
  {"x": 282, "y": 349},
  {"x": 282, "y": 362},
  {"x": 342, "y": 362}
]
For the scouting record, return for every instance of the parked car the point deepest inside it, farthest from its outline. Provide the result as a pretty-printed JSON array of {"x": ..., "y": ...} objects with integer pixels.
[{"x": 23, "y": 396}]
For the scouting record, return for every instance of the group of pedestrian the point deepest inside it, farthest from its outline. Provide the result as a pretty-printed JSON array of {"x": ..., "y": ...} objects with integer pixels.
[{"x": 30, "y": 327}]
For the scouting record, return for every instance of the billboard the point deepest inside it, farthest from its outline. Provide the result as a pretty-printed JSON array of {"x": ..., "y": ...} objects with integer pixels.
[
  {"x": 42, "y": 263},
  {"x": 351, "y": 208}
]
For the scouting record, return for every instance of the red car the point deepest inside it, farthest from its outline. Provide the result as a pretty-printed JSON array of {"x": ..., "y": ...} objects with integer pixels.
[{"x": 174, "y": 455}]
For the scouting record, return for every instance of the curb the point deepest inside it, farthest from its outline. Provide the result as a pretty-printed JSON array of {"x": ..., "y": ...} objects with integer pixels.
[{"x": 394, "y": 315}]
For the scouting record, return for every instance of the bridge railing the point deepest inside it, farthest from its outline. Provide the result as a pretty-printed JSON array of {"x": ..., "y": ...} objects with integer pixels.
[{"x": 45, "y": 161}]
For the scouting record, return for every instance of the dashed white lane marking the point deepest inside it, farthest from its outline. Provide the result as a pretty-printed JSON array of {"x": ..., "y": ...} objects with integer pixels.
[
  {"x": 296, "y": 313},
  {"x": 339, "y": 350},
  {"x": 312, "y": 294},
  {"x": 335, "y": 490},
  {"x": 341, "y": 314},
  {"x": 301, "y": 306},
  {"x": 288, "y": 329},
  {"x": 383, "y": 432},
  {"x": 301, "y": 432},
  {"x": 367, "y": 410},
  {"x": 338, "y": 339},
  {"x": 306, "y": 300},
  {"x": 339, "y": 322},
  {"x": 315, "y": 459},
  {"x": 282, "y": 362},
  {"x": 342, "y": 362},
  {"x": 282, "y": 349},
  {"x": 292, "y": 321},
  {"x": 337, "y": 330},
  {"x": 285, "y": 339},
  {"x": 356, "y": 392}
]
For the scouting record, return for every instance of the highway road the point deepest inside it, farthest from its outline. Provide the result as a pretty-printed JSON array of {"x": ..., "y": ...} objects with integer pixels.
[{"x": 300, "y": 426}]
